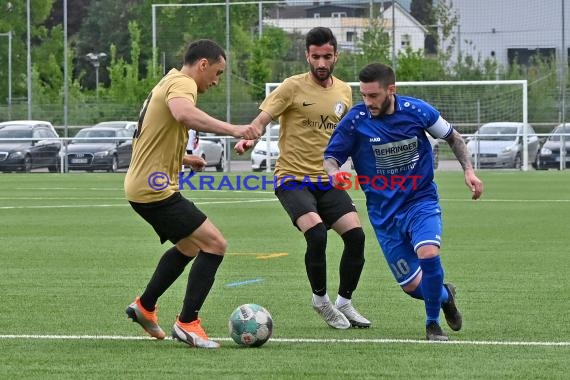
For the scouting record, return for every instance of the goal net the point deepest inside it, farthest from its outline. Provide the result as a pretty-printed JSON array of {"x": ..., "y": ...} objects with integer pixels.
[{"x": 466, "y": 104}]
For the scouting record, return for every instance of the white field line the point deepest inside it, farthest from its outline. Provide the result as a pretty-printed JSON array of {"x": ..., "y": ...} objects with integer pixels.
[{"x": 301, "y": 340}]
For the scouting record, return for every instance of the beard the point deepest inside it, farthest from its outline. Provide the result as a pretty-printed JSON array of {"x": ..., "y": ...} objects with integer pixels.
[
  {"x": 322, "y": 74},
  {"x": 384, "y": 107}
]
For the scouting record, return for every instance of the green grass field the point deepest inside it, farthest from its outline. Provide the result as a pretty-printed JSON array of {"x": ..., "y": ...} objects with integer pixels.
[{"x": 73, "y": 255}]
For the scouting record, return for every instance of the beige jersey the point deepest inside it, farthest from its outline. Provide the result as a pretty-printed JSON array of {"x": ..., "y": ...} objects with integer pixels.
[
  {"x": 308, "y": 114},
  {"x": 160, "y": 143}
]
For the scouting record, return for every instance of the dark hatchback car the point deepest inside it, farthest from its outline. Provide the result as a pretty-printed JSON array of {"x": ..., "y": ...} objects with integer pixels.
[
  {"x": 100, "y": 149},
  {"x": 549, "y": 154},
  {"x": 26, "y": 147}
]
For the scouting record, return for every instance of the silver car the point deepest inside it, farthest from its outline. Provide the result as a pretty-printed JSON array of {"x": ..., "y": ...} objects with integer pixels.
[
  {"x": 500, "y": 145},
  {"x": 211, "y": 149},
  {"x": 259, "y": 153}
]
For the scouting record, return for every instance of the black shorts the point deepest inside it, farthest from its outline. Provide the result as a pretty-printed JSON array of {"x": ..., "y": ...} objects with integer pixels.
[
  {"x": 331, "y": 204},
  {"x": 173, "y": 218}
]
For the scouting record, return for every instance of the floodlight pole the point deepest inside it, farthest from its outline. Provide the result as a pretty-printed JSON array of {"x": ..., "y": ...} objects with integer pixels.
[
  {"x": 95, "y": 60},
  {"x": 29, "y": 59},
  {"x": 9, "y": 35},
  {"x": 564, "y": 69}
]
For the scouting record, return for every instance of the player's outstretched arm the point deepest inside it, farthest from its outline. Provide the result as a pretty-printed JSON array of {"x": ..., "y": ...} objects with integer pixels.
[
  {"x": 461, "y": 152},
  {"x": 260, "y": 122},
  {"x": 186, "y": 112}
]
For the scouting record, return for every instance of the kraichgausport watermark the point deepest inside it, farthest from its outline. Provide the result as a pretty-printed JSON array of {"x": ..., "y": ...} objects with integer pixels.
[{"x": 159, "y": 181}]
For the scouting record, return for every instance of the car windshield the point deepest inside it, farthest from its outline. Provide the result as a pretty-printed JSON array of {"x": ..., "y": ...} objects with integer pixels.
[
  {"x": 498, "y": 133},
  {"x": 560, "y": 130},
  {"x": 92, "y": 135},
  {"x": 15, "y": 134}
]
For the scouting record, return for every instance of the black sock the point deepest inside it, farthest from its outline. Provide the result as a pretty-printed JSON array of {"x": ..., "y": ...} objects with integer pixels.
[
  {"x": 316, "y": 259},
  {"x": 352, "y": 261},
  {"x": 169, "y": 268},
  {"x": 200, "y": 281}
]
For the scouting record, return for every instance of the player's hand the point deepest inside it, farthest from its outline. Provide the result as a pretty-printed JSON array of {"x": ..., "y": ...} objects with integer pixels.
[
  {"x": 196, "y": 163},
  {"x": 243, "y": 146},
  {"x": 474, "y": 184},
  {"x": 340, "y": 180},
  {"x": 247, "y": 132}
]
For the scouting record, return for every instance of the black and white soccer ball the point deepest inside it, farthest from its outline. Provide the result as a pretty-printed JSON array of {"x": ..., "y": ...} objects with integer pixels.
[{"x": 250, "y": 325}]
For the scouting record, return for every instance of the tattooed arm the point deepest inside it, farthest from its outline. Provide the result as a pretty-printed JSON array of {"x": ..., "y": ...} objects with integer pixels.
[{"x": 462, "y": 154}]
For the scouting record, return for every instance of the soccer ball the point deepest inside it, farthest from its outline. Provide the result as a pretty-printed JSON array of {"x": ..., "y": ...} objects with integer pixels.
[{"x": 250, "y": 325}]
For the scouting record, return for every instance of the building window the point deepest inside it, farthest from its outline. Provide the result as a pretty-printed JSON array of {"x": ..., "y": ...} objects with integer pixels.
[
  {"x": 338, "y": 14},
  {"x": 350, "y": 36},
  {"x": 316, "y": 15},
  {"x": 406, "y": 41}
]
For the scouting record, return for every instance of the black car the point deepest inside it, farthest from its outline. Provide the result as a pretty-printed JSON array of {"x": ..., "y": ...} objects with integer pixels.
[
  {"x": 549, "y": 154},
  {"x": 26, "y": 147},
  {"x": 99, "y": 149}
]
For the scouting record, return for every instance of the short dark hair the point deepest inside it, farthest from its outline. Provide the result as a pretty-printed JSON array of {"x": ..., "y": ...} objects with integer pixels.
[
  {"x": 320, "y": 36},
  {"x": 377, "y": 72},
  {"x": 203, "y": 49}
]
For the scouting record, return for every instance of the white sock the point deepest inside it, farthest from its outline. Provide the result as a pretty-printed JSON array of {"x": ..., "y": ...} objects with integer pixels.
[
  {"x": 320, "y": 300},
  {"x": 341, "y": 301}
]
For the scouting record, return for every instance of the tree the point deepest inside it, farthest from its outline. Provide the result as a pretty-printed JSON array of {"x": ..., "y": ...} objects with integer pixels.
[
  {"x": 273, "y": 45},
  {"x": 14, "y": 19},
  {"x": 422, "y": 10}
]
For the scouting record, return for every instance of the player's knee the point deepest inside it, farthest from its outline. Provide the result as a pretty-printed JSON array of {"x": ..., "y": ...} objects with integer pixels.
[
  {"x": 220, "y": 245},
  {"x": 427, "y": 251},
  {"x": 355, "y": 238},
  {"x": 316, "y": 238}
]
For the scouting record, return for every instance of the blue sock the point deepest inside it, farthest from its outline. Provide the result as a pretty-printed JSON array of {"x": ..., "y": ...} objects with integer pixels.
[{"x": 432, "y": 284}]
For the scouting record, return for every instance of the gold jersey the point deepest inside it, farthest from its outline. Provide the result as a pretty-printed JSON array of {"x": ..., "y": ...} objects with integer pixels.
[
  {"x": 160, "y": 142},
  {"x": 308, "y": 114}
]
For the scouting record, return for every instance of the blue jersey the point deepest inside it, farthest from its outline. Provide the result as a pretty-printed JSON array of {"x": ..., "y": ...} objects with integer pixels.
[{"x": 391, "y": 154}]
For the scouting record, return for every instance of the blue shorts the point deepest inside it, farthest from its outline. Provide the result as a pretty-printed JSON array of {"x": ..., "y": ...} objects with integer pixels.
[{"x": 419, "y": 225}]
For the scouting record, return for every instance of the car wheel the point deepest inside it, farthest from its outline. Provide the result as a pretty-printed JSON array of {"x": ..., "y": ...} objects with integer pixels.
[
  {"x": 114, "y": 165},
  {"x": 27, "y": 164},
  {"x": 55, "y": 167},
  {"x": 220, "y": 165},
  {"x": 517, "y": 162}
]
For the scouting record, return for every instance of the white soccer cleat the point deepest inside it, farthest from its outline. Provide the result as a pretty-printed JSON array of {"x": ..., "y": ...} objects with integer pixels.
[
  {"x": 353, "y": 316},
  {"x": 332, "y": 316}
]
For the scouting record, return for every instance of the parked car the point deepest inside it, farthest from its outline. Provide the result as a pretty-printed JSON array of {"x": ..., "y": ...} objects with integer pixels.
[
  {"x": 500, "y": 145},
  {"x": 100, "y": 149},
  {"x": 30, "y": 122},
  {"x": 259, "y": 153},
  {"x": 549, "y": 155},
  {"x": 40, "y": 149},
  {"x": 210, "y": 149},
  {"x": 130, "y": 126}
]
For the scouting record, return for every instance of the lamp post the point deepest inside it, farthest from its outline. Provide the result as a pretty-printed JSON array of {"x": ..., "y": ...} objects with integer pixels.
[
  {"x": 9, "y": 35},
  {"x": 95, "y": 60}
]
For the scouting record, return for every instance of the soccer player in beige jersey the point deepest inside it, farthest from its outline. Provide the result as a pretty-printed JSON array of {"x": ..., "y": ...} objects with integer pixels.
[
  {"x": 152, "y": 188},
  {"x": 308, "y": 107}
]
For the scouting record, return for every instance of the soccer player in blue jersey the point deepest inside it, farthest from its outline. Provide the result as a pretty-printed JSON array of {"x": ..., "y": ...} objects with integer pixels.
[{"x": 386, "y": 138}]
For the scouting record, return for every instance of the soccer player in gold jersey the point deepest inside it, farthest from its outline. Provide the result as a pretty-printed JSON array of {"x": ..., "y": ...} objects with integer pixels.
[
  {"x": 152, "y": 188},
  {"x": 308, "y": 107}
]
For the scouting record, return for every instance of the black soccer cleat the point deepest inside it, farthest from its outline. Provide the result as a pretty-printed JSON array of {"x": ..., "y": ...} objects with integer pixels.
[
  {"x": 435, "y": 333},
  {"x": 452, "y": 314}
]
